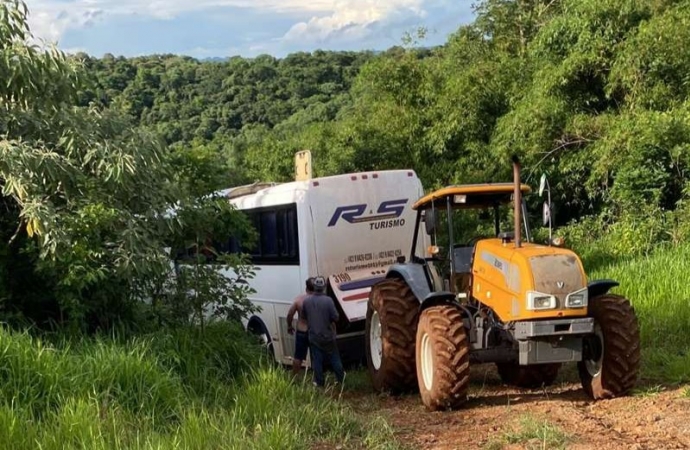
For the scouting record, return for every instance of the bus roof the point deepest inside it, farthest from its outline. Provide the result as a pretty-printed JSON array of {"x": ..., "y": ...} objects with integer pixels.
[
  {"x": 268, "y": 187},
  {"x": 475, "y": 195}
]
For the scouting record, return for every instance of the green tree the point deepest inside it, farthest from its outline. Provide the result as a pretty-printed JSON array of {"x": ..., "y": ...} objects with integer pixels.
[{"x": 86, "y": 192}]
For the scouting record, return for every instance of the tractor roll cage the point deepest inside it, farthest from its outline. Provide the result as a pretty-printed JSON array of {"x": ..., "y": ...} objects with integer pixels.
[{"x": 469, "y": 196}]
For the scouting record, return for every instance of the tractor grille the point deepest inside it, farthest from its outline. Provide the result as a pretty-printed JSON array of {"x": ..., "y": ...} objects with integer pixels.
[{"x": 558, "y": 275}]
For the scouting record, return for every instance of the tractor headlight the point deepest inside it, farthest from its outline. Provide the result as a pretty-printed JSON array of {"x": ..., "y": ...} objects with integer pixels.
[
  {"x": 538, "y": 301},
  {"x": 577, "y": 299}
]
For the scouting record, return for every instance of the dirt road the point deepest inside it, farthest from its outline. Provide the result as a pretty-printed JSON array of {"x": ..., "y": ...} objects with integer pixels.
[{"x": 498, "y": 417}]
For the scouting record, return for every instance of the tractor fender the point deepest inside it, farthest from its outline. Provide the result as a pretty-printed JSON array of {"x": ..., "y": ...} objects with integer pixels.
[
  {"x": 599, "y": 287},
  {"x": 448, "y": 298},
  {"x": 414, "y": 276},
  {"x": 438, "y": 298}
]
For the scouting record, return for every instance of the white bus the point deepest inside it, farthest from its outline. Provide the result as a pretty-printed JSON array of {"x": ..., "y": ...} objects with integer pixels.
[{"x": 347, "y": 228}]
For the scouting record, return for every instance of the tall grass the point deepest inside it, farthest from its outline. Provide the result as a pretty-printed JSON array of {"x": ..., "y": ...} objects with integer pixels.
[
  {"x": 659, "y": 289},
  {"x": 169, "y": 390}
]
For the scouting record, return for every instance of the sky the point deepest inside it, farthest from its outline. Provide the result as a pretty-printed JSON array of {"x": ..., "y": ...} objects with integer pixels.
[{"x": 222, "y": 28}]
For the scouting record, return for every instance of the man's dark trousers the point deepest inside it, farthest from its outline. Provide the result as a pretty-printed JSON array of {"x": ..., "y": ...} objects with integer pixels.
[{"x": 318, "y": 356}]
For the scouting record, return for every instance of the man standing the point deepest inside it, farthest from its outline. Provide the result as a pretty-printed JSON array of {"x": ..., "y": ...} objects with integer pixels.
[
  {"x": 301, "y": 337},
  {"x": 319, "y": 311}
]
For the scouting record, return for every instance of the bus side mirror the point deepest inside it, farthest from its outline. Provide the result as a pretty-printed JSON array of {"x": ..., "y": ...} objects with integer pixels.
[{"x": 430, "y": 221}]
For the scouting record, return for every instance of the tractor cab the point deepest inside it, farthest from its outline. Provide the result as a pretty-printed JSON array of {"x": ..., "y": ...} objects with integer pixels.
[{"x": 456, "y": 218}]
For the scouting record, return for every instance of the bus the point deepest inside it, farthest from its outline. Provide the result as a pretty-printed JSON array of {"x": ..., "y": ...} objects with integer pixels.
[{"x": 347, "y": 228}]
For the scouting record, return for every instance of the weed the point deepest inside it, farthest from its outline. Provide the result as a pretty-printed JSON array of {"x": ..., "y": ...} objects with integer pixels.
[
  {"x": 380, "y": 436},
  {"x": 648, "y": 391},
  {"x": 533, "y": 433},
  {"x": 358, "y": 381}
]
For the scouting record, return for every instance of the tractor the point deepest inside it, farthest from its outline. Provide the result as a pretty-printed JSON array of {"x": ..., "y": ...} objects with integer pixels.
[{"x": 526, "y": 307}]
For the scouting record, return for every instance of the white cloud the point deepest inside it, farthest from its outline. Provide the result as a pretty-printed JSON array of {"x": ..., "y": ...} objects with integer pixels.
[
  {"x": 50, "y": 19},
  {"x": 352, "y": 19}
]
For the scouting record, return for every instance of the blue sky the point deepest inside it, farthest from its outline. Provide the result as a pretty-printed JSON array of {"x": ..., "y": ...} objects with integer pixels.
[{"x": 219, "y": 28}]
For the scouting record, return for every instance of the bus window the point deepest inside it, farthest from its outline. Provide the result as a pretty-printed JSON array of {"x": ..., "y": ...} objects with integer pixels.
[
  {"x": 278, "y": 241},
  {"x": 269, "y": 235}
]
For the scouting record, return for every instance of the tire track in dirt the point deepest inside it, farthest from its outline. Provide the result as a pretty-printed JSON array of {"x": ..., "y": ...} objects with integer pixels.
[{"x": 657, "y": 420}]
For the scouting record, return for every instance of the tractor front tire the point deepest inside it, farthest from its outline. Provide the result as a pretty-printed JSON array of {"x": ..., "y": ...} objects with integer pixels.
[
  {"x": 528, "y": 377},
  {"x": 443, "y": 358},
  {"x": 391, "y": 324},
  {"x": 611, "y": 358}
]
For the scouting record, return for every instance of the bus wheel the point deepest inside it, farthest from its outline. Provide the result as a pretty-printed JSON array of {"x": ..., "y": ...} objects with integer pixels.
[{"x": 258, "y": 329}]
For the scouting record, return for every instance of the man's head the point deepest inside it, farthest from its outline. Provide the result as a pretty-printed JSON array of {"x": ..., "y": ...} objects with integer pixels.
[
  {"x": 319, "y": 284},
  {"x": 310, "y": 284}
]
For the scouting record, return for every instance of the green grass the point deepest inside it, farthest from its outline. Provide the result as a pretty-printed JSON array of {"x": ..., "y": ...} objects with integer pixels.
[
  {"x": 648, "y": 391},
  {"x": 658, "y": 288},
  {"x": 358, "y": 380},
  {"x": 532, "y": 433},
  {"x": 170, "y": 390}
]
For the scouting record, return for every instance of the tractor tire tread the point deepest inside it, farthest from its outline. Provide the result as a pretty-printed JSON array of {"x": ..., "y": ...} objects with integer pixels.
[
  {"x": 621, "y": 360},
  {"x": 398, "y": 311},
  {"x": 451, "y": 354}
]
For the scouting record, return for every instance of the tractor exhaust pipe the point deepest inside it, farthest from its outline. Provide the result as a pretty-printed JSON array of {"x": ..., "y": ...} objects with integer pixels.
[{"x": 517, "y": 201}]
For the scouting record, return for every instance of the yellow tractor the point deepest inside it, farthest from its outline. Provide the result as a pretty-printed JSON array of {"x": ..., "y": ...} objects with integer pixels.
[{"x": 524, "y": 306}]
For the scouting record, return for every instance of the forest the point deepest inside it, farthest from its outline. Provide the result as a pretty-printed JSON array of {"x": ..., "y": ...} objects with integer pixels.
[{"x": 98, "y": 348}]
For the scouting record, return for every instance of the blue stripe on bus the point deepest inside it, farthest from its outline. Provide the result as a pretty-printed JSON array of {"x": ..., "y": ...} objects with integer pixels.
[{"x": 360, "y": 284}]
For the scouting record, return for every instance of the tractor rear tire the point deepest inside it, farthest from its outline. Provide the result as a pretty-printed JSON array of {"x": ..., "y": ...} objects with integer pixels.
[
  {"x": 610, "y": 370},
  {"x": 443, "y": 358},
  {"x": 391, "y": 324},
  {"x": 528, "y": 377}
]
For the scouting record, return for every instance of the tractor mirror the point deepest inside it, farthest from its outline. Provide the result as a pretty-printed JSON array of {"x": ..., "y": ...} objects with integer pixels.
[
  {"x": 546, "y": 214},
  {"x": 542, "y": 184},
  {"x": 430, "y": 221}
]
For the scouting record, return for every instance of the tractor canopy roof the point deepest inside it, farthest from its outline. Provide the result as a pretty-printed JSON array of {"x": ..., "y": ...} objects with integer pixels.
[{"x": 468, "y": 196}]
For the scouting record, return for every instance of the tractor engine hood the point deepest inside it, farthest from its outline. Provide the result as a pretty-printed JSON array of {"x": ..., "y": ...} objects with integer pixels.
[{"x": 538, "y": 281}]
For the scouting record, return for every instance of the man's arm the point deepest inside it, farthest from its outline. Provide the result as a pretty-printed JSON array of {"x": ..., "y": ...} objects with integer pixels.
[
  {"x": 304, "y": 309},
  {"x": 291, "y": 316},
  {"x": 333, "y": 312},
  {"x": 333, "y": 315}
]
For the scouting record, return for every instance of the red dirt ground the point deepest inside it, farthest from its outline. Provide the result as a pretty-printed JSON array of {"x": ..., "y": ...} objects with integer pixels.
[{"x": 652, "y": 418}]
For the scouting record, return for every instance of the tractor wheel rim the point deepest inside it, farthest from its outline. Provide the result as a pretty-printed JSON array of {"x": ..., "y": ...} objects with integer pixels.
[
  {"x": 427, "y": 361},
  {"x": 597, "y": 341},
  {"x": 375, "y": 341}
]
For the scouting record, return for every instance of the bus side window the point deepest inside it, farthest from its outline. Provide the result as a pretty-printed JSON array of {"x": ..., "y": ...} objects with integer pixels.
[
  {"x": 278, "y": 239},
  {"x": 292, "y": 237},
  {"x": 269, "y": 234},
  {"x": 287, "y": 233}
]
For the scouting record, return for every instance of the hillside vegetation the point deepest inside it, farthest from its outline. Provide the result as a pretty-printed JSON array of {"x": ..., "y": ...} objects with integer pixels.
[{"x": 594, "y": 93}]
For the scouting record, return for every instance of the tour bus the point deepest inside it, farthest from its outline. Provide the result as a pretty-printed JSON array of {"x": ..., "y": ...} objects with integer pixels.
[{"x": 347, "y": 228}]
